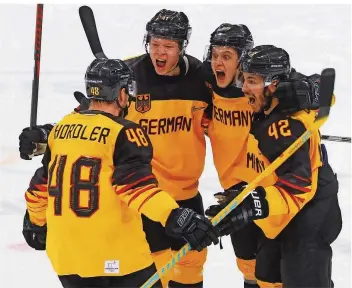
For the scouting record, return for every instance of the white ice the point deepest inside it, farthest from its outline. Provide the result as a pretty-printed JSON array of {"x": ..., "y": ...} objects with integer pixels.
[{"x": 316, "y": 36}]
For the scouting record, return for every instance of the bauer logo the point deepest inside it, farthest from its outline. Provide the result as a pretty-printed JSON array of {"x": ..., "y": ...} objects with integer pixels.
[
  {"x": 112, "y": 267},
  {"x": 182, "y": 218}
]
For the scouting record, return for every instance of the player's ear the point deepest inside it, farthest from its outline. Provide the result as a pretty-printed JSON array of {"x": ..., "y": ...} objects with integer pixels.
[
  {"x": 272, "y": 86},
  {"x": 123, "y": 98}
]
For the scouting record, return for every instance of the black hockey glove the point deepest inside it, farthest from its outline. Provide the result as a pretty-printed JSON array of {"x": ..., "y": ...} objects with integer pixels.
[
  {"x": 253, "y": 207},
  {"x": 223, "y": 199},
  {"x": 194, "y": 228},
  {"x": 34, "y": 235},
  {"x": 82, "y": 100},
  {"x": 33, "y": 141},
  {"x": 298, "y": 94}
]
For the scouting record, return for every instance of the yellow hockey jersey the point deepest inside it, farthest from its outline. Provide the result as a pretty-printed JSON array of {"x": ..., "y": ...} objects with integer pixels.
[
  {"x": 171, "y": 109},
  {"x": 95, "y": 181},
  {"x": 296, "y": 180},
  {"x": 235, "y": 152}
]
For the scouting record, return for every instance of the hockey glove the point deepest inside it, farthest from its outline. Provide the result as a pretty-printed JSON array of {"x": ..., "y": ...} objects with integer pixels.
[
  {"x": 82, "y": 100},
  {"x": 229, "y": 194},
  {"x": 194, "y": 228},
  {"x": 297, "y": 94},
  {"x": 224, "y": 198},
  {"x": 33, "y": 141},
  {"x": 254, "y": 206},
  {"x": 34, "y": 235}
]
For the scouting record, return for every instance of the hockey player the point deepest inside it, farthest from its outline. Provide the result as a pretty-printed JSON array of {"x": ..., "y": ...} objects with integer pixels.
[
  {"x": 299, "y": 211},
  {"x": 231, "y": 123},
  {"x": 95, "y": 181},
  {"x": 172, "y": 98}
]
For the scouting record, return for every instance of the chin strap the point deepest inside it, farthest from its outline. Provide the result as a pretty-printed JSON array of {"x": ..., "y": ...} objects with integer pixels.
[
  {"x": 270, "y": 107},
  {"x": 185, "y": 62},
  {"x": 272, "y": 102},
  {"x": 178, "y": 64},
  {"x": 173, "y": 68},
  {"x": 124, "y": 110}
]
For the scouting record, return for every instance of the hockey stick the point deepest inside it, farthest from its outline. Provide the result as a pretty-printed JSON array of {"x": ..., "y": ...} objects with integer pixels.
[
  {"x": 326, "y": 91},
  {"x": 90, "y": 28},
  {"x": 336, "y": 138},
  {"x": 36, "y": 72},
  {"x": 88, "y": 21},
  {"x": 37, "y": 50}
]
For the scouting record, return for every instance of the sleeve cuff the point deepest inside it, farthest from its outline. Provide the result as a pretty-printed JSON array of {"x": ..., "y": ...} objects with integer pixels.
[
  {"x": 277, "y": 203},
  {"x": 159, "y": 207}
]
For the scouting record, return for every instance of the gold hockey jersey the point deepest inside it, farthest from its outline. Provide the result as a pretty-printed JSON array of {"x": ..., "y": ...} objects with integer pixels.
[
  {"x": 235, "y": 152},
  {"x": 296, "y": 180},
  {"x": 95, "y": 181},
  {"x": 171, "y": 109}
]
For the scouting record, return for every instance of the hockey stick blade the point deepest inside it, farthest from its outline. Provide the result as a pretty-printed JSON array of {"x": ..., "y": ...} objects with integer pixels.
[
  {"x": 83, "y": 101},
  {"x": 336, "y": 138},
  {"x": 327, "y": 81},
  {"x": 90, "y": 28},
  {"x": 326, "y": 89}
]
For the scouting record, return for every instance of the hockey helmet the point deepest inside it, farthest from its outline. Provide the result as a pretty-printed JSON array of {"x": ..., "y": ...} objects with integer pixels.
[
  {"x": 170, "y": 25},
  {"x": 271, "y": 62},
  {"x": 236, "y": 36},
  {"x": 105, "y": 78}
]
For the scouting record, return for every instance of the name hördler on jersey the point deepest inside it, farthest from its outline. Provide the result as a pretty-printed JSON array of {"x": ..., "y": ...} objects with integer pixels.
[{"x": 79, "y": 131}]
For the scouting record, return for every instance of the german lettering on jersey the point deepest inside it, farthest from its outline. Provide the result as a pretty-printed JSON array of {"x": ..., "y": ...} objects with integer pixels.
[
  {"x": 166, "y": 125},
  {"x": 255, "y": 163},
  {"x": 232, "y": 117}
]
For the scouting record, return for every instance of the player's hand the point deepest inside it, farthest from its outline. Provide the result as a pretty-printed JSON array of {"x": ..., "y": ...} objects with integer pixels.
[
  {"x": 34, "y": 235},
  {"x": 82, "y": 100},
  {"x": 226, "y": 196},
  {"x": 298, "y": 94},
  {"x": 32, "y": 141},
  {"x": 194, "y": 228},
  {"x": 254, "y": 207}
]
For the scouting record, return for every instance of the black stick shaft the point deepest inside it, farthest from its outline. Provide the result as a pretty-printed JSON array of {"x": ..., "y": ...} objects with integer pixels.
[
  {"x": 336, "y": 138},
  {"x": 37, "y": 50}
]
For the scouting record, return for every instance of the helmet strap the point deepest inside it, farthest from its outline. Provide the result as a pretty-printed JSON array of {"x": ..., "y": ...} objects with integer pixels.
[
  {"x": 122, "y": 112},
  {"x": 271, "y": 101},
  {"x": 175, "y": 67}
]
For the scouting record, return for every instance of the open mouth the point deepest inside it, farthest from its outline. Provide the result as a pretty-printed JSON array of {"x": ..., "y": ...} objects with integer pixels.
[
  {"x": 251, "y": 100},
  {"x": 220, "y": 75},
  {"x": 160, "y": 63}
]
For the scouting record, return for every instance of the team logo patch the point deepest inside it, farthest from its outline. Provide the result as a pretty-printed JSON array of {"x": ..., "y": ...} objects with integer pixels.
[{"x": 143, "y": 103}]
